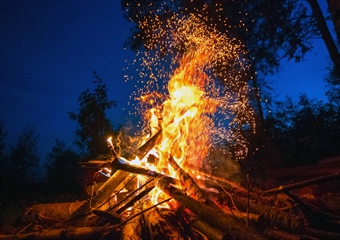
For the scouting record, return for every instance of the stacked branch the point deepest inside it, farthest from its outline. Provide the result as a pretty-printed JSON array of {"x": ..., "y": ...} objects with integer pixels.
[{"x": 198, "y": 213}]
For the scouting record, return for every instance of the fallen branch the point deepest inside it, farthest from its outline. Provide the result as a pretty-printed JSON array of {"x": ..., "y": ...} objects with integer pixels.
[{"x": 292, "y": 186}]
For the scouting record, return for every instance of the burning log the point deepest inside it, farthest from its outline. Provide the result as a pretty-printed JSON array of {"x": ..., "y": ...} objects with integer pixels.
[
  {"x": 112, "y": 214},
  {"x": 215, "y": 216},
  {"x": 101, "y": 195},
  {"x": 148, "y": 145},
  {"x": 132, "y": 230},
  {"x": 125, "y": 165},
  {"x": 188, "y": 181},
  {"x": 158, "y": 226}
]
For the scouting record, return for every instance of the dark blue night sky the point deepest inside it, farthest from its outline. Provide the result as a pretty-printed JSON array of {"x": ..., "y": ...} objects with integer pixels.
[{"x": 48, "y": 52}]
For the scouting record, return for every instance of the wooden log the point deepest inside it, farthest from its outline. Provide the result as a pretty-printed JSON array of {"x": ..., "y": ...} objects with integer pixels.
[
  {"x": 188, "y": 181},
  {"x": 125, "y": 165},
  {"x": 270, "y": 214},
  {"x": 208, "y": 231},
  {"x": 132, "y": 230},
  {"x": 50, "y": 213},
  {"x": 83, "y": 233},
  {"x": 148, "y": 145},
  {"x": 158, "y": 226},
  {"x": 282, "y": 235},
  {"x": 215, "y": 216},
  {"x": 101, "y": 195},
  {"x": 254, "y": 219}
]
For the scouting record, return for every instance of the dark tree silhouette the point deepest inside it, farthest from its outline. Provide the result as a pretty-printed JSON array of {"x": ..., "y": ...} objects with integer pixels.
[
  {"x": 93, "y": 125},
  {"x": 3, "y": 155},
  {"x": 63, "y": 168},
  {"x": 269, "y": 30},
  {"x": 333, "y": 83},
  {"x": 23, "y": 159},
  {"x": 304, "y": 132}
]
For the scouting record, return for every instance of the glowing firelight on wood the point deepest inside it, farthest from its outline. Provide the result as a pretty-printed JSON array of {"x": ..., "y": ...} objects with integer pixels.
[{"x": 192, "y": 107}]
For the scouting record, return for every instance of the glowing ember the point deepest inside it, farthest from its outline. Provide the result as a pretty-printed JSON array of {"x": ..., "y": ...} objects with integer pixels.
[{"x": 192, "y": 109}]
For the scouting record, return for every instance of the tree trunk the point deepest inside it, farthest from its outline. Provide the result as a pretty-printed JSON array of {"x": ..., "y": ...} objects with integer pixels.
[
  {"x": 325, "y": 34},
  {"x": 334, "y": 9}
]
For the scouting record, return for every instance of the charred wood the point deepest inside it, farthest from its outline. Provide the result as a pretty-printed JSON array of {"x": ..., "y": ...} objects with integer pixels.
[
  {"x": 148, "y": 145},
  {"x": 215, "y": 216},
  {"x": 158, "y": 226},
  {"x": 101, "y": 195},
  {"x": 132, "y": 230},
  {"x": 208, "y": 231},
  {"x": 188, "y": 181}
]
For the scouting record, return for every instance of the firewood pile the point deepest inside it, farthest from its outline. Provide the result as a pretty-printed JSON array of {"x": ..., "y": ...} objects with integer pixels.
[{"x": 191, "y": 208}]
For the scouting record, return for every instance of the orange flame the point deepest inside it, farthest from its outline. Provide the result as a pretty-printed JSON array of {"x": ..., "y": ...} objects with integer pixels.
[{"x": 186, "y": 115}]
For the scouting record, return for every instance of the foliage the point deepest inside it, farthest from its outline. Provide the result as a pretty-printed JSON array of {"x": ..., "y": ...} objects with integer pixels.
[
  {"x": 303, "y": 133},
  {"x": 63, "y": 167},
  {"x": 268, "y": 31},
  {"x": 333, "y": 82},
  {"x": 93, "y": 125},
  {"x": 267, "y": 28},
  {"x": 3, "y": 155},
  {"x": 22, "y": 162}
]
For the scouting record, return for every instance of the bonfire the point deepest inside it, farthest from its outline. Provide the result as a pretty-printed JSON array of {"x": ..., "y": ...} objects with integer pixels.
[{"x": 167, "y": 190}]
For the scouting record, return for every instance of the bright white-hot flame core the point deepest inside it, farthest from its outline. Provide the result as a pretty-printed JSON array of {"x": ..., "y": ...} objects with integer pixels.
[{"x": 193, "y": 98}]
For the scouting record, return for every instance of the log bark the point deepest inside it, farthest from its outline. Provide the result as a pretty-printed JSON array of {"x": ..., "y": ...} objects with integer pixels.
[
  {"x": 158, "y": 226},
  {"x": 271, "y": 215},
  {"x": 215, "y": 216},
  {"x": 188, "y": 181},
  {"x": 208, "y": 231},
  {"x": 125, "y": 165},
  {"x": 132, "y": 230},
  {"x": 282, "y": 235},
  {"x": 148, "y": 145},
  {"x": 50, "y": 213},
  {"x": 100, "y": 196},
  {"x": 82, "y": 233}
]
